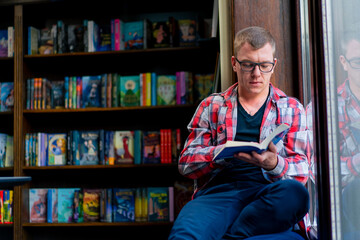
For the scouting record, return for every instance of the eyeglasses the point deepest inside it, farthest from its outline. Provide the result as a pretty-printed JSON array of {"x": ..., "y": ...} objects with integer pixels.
[
  {"x": 248, "y": 66},
  {"x": 354, "y": 63}
]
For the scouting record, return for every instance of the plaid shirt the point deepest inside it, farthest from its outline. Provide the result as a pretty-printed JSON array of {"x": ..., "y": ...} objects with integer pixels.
[
  {"x": 348, "y": 112},
  {"x": 215, "y": 121}
]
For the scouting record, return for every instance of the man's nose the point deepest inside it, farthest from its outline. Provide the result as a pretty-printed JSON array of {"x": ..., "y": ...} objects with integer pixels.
[{"x": 256, "y": 71}]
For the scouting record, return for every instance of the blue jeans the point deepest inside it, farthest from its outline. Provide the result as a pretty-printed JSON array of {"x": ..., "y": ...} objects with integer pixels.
[{"x": 240, "y": 210}]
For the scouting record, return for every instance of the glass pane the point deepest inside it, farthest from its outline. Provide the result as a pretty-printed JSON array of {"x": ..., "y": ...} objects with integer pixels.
[
  {"x": 341, "y": 24},
  {"x": 306, "y": 73}
]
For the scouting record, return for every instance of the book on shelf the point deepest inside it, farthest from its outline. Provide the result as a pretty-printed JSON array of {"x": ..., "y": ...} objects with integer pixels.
[
  {"x": 7, "y": 206},
  {"x": 75, "y": 37},
  {"x": 124, "y": 147},
  {"x": 11, "y": 40},
  {"x": 124, "y": 205},
  {"x": 166, "y": 89},
  {"x": 129, "y": 90},
  {"x": 38, "y": 205},
  {"x": 187, "y": 32},
  {"x": 151, "y": 147},
  {"x": 133, "y": 35},
  {"x": 86, "y": 150},
  {"x": 52, "y": 205},
  {"x": 232, "y": 147},
  {"x": 160, "y": 34},
  {"x": 91, "y": 205},
  {"x": 57, "y": 149},
  {"x": 91, "y": 91},
  {"x": 78, "y": 211},
  {"x": 106, "y": 205},
  {"x": 9, "y": 156},
  {"x": 7, "y": 96},
  {"x": 57, "y": 94},
  {"x": 3, "y": 140},
  {"x": 33, "y": 40},
  {"x": 203, "y": 86},
  {"x": 104, "y": 38},
  {"x": 62, "y": 37},
  {"x": 183, "y": 191},
  {"x": 4, "y": 43},
  {"x": 46, "y": 41},
  {"x": 65, "y": 204},
  {"x": 159, "y": 204}
]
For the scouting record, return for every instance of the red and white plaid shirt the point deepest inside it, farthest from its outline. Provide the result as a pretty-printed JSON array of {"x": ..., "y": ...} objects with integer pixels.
[
  {"x": 215, "y": 121},
  {"x": 349, "y": 113}
]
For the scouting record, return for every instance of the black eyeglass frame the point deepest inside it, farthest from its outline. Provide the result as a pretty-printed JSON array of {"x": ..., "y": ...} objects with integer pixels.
[
  {"x": 350, "y": 62},
  {"x": 255, "y": 64}
]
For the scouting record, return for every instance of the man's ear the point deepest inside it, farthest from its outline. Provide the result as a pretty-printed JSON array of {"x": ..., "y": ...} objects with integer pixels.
[
  {"x": 233, "y": 63},
  {"x": 343, "y": 62}
]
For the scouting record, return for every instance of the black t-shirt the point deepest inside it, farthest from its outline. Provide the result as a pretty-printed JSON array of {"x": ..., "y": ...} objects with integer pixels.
[{"x": 247, "y": 129}]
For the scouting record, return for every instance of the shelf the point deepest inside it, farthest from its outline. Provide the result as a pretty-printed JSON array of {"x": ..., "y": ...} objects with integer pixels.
[
  {"x": 98, "y": 224},
  {"x": 123, "y": 166},
  {"x": 114, "y": 109}
]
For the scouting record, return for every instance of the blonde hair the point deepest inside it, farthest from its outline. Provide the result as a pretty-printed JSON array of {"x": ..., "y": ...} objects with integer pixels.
[{"x": 257, "y": 37}]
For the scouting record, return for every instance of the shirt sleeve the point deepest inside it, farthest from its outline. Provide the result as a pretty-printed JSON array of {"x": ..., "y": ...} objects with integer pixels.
[
  {"x": 196, "y": 158},
  {"x": 293, "y": 162}
]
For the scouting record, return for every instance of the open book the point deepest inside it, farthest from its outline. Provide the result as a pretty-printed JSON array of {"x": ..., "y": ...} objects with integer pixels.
[{"x": 232, "y": 147}]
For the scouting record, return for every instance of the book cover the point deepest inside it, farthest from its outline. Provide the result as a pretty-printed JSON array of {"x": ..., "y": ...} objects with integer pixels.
[
  {"x": 57, "y": 149},
  {"x": 38, "y": 204},
  {"x": 78, "y": 213},
  {"x": 3, "y": 42},
  {"x": 151, "y": 147},
  {"x": 130, "y": 91},
  {"x": 46, "y": 42},
  {"x": 88, "y": 147},
  {"x": 8, "y": 206},
  {"x": 158, "y": 204},
  {"x": 183, "y": 191},
  {"x": 7, "y": 96},
  {"x": 3, "y": 140},
  {"x": 202, "y": 86},
  {"x": 104, "y": 38},
  {"x": 134, "y": 35},
  {"x": 160, "y": 34},
  {"x": 91, "y": 205},
  {"x": 124, "y": 147},
  {"x": 106, "y": 205},
  {"x": 124, "y": 205},
  {"x": 91, "y": 91},
  {"x": 187, "y": 33},
  {"x": 65, "y": 204},
  {"x": 232, "y": 147},
  {"x": 75, "y": 40},
  {"x": 57, "y": 94},
  {"x": 166, "y": 90},
  {"x": 52, "y": 205},
  {"x": 33, "y": 40},
  {"x": 9, "y": 158}
]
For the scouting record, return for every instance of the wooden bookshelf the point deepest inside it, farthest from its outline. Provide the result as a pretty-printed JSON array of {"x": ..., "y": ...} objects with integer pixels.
[{"x": 20, "y": 121}]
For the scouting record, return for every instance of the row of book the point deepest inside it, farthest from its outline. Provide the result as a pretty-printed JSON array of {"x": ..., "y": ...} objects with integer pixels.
[
  {"x": 6, "y": 96},
  {"x": 102, "y": 147},
  {"x": 90, "y": 36},
  {"x": 77, "y": 205},
  {"x": 7, "y": 42},
  {"x": 6, "y": 150},
  {"x": 6, "y": 206},
  {"x": 115, "y": 90}
]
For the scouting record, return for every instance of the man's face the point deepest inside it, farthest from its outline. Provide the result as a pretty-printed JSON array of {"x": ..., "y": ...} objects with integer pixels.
[
  {"x": 352, "y": 55},
  {"x": 253, "y": 83}
]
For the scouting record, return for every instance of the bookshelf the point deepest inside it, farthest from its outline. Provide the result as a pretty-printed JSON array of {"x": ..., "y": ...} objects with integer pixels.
[{"x": 200, "y": 58}]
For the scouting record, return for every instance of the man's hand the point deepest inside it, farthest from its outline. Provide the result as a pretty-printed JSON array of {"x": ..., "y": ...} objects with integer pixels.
[{"x": 266, "y": 160}]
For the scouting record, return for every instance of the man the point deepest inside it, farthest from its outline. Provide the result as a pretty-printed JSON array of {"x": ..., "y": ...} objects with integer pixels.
[
  {"x": 349, "y": 129},
  {"x": 250, "y": 194}
]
